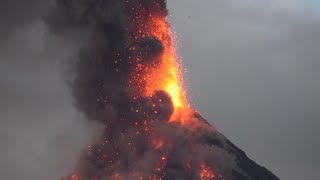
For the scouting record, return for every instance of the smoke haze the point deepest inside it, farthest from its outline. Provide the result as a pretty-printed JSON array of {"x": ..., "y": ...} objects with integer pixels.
[
  {"x": 41, "y": 134},
  {"x": 254, "y": 73}
]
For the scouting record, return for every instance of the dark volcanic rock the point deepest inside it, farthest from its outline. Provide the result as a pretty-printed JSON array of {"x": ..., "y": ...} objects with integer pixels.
[{"x": 248, "y": 169}]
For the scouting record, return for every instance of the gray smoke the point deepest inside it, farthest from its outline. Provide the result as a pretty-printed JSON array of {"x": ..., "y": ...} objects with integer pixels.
[
  {"x": 101, "y": 90},
  {"x": 41, "y": 134}
]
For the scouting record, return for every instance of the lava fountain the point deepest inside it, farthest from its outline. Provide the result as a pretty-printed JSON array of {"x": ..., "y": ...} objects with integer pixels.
[
  {"x": 166, "y": 73},
  {"x": 129, "y": 79}
]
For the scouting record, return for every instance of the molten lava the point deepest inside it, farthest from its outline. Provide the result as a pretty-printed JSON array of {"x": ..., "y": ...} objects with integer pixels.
[
  {"x": 206, "y": 173},
  {"x": 130, "y": 80},
  {"x": 165, "y": 75},
  {"x": 168, "y": 75}
]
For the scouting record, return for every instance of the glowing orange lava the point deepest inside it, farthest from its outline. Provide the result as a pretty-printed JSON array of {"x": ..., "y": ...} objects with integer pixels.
[
  {"x": 167, "y": 75},
  {"x": 206, "y": 173}
]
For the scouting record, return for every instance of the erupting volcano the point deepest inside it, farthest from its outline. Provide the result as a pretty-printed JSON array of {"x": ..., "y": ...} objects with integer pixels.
[{"x": 128, "y": 78}]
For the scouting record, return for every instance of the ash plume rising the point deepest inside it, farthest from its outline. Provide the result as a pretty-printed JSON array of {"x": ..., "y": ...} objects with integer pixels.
[{"x": 127, "y": 78}]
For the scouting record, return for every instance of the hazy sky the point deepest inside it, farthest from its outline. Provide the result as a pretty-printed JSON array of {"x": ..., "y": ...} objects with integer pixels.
[{"x": 252, "y": 71}]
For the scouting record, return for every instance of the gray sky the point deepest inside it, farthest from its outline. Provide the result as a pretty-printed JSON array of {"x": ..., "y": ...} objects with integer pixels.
[{"x": 252, "y": 71}]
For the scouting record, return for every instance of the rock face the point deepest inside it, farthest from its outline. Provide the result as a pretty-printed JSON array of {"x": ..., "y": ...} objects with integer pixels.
[
  {"x": 225, "y": 161},
  {"x": 251, "y": 169},
  {"x": 247, "y": 168}
]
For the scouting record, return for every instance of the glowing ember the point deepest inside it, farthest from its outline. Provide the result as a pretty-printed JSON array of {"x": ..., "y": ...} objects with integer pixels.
[
  {"x": 165, "y": 75},
  {"x": 206, "y": 173},
  {"x": 73, "y": 177},
  {"x": 133, "y": 85},
  {"x": 168, "y": 75},
  {"x": 158, "y": 144}
]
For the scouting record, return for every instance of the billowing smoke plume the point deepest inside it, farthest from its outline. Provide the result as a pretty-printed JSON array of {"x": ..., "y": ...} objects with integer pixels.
[
  {"x": 106, "y": 61},
  {"x": 140, "y": 140}
]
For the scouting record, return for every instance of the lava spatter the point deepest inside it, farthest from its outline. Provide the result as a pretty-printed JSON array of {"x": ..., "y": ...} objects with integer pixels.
[{"x": 128, "y": 78}]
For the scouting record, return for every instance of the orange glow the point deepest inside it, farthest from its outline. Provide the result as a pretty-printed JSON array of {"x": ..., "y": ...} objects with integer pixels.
[
  {"x": 167, "y": 75},
  {"x": 206, "y": 173},
  {"x": 117, "y": 176},
  {"x": 73, "y": 177},
  {"x": 158, "y": 144}
]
